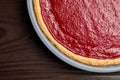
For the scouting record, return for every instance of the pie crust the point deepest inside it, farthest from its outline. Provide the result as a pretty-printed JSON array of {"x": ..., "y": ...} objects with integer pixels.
[{"x": 62, "y": 49}]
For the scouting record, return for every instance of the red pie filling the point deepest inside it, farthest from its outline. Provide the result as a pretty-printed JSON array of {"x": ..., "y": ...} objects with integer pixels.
[{"x": 89, "y": 28}]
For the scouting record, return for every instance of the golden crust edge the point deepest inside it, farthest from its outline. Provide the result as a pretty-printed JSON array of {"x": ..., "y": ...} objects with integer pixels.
[{"x": 81, "y": 59}]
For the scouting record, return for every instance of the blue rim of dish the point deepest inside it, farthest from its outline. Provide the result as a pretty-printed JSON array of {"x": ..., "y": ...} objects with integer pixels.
[{"x": 56, "y": 52}]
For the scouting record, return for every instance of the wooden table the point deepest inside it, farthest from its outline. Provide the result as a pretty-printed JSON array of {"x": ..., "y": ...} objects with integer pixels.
[{"x": 24, "y": 57}]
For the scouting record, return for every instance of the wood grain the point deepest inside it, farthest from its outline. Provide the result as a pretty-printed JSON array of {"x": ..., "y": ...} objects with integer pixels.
[{"x": 24, "y": 57}]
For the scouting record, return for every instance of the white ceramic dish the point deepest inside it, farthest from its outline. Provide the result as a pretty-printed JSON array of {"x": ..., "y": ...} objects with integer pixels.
[{"x": 60, "y": 55}]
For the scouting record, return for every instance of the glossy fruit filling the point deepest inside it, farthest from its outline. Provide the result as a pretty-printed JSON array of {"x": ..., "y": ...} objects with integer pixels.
[{"x": 89, "y": 28}]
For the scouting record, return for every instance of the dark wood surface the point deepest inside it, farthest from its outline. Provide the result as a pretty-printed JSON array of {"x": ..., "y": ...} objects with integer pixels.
[{"x": 24, "y": 57}]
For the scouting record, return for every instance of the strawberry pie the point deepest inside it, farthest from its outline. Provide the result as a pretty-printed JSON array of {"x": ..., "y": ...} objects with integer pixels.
[{"x": 87, "y": 31}]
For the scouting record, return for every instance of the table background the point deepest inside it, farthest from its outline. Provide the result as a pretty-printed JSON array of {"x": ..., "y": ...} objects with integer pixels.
[{"x": 24, "y": 57}]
